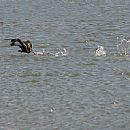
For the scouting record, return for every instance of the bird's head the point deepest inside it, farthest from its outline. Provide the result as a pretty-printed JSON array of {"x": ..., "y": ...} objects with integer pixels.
[{"x": 13, "y": 42}]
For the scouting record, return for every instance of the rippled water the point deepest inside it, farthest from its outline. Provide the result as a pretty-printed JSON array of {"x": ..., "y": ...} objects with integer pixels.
[{"x": 79, "y": 91}]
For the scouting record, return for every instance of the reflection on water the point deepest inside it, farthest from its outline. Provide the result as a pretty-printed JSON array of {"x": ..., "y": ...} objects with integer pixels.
[{"x": 73, "y": 88}]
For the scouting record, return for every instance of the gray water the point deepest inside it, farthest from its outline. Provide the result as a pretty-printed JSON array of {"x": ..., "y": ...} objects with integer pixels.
[{"x": 80, "y": 91}]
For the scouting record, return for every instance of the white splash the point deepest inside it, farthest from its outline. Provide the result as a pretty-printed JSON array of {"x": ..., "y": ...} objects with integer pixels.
[
  {"x": 100, "y": 51},
  {"x": 123, "y": 47},
  {"x": 52, "y": 52},
  {"x": 62, "y": 52}
]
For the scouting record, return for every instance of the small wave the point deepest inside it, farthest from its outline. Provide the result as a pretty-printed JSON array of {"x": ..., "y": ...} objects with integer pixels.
[{"x": 52, "y": 52}]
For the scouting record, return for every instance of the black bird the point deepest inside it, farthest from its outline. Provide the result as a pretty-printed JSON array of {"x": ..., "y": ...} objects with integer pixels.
[{"x": 26, "y": 46}]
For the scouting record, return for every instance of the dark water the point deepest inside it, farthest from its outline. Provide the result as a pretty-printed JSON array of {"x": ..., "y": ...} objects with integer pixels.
[{"x": 80, "y": 91}]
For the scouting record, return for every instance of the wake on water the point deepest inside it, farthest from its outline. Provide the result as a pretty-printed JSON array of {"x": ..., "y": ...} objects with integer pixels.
[{"x": 100, "y": 50}]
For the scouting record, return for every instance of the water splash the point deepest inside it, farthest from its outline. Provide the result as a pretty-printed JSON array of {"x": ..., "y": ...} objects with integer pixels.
[
  {"x": 100, "y": 51},
  {"x": 62, "y": 52},
  {"x": 123, "y": 47},
  {"x": 52, "y": 52}
]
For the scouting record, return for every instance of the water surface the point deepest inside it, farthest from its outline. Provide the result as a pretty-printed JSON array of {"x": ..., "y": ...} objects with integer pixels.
[{"x": 73, "y": 92}]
